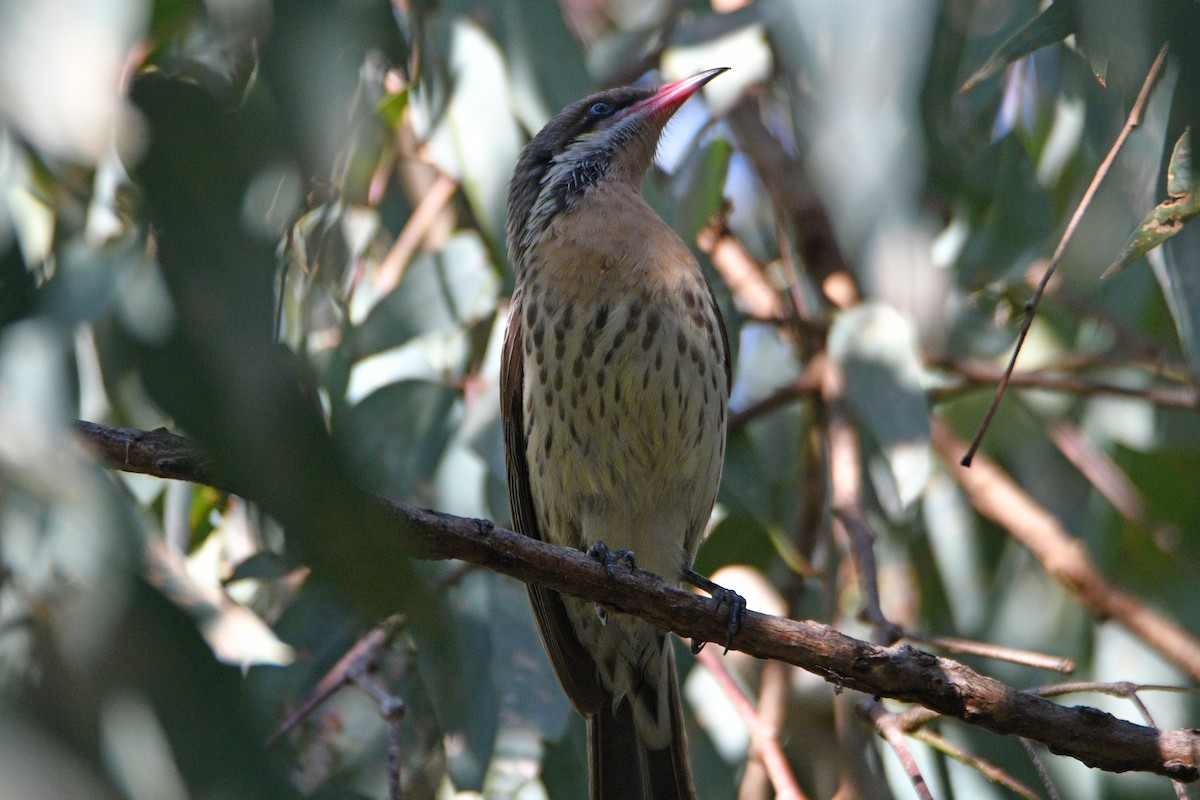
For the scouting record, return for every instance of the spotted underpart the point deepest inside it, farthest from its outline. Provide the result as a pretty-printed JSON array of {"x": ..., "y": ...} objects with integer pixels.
[{"x": 625, "y": 402}]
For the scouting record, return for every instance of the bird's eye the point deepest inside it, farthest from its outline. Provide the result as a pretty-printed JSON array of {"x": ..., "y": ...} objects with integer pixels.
[{"x": 600, "y": 109}]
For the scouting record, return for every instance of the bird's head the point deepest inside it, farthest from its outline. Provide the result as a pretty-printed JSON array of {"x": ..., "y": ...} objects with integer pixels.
[{"x": 607, "y": 136}]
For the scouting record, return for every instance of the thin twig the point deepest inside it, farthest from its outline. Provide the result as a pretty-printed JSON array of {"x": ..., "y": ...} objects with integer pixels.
[
  {"x": 392, "y": 709},
  {"x": 341, "y": 673},
  {"x": 774, "y": 689},
  {"x": 1135, "y": 116},
  {"x": 886, "y": 726},
  {"x": 845, "y": 482},
  {"x": 391, "y": 269},
  {"x": 765, "y": 738},
  {"x": 984, "y": 767},
  {"x": 1031, "y": 751},
  {"x": 995, "y": 651},
  {"x": 978, "y": 373}
]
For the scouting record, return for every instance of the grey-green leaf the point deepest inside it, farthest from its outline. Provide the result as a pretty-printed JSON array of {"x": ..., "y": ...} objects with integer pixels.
[
  {"x": 876, "y": 348},
  {"x": 1052, "y": 25},
  {"x": 1169, "y": 216}
]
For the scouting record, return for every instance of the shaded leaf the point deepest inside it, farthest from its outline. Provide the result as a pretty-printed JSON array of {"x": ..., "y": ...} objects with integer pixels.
[
  {"x": 481, "y": 156},
  {"x": 1179, "y": 276},
  {"x": 450, "y": 656},
  {"x": 1052, "y": 25},
  {"x": 701, "y": 187}
]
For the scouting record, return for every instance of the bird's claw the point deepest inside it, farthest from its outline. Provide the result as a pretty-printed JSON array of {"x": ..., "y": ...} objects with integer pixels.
[
  {"x": 599, "y": 551},
  {"x": 720, "y": 598},
  {"x": 610, "y": 558}
]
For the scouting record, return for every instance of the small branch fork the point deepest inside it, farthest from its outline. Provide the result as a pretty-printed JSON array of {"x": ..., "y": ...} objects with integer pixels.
[
  {"x": 901, "y": 672},
  {"x": 1134, "y": 119},
  {"x": 357, "y": 667}
]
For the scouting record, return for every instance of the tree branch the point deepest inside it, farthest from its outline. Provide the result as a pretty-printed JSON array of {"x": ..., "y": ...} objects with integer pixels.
[
  {"x": 1094, "y": 737},
  {"x": 998, "y": 497}
]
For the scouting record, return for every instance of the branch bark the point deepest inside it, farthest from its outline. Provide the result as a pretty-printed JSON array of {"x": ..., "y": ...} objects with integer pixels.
[{"x": 1094, "y": 737}]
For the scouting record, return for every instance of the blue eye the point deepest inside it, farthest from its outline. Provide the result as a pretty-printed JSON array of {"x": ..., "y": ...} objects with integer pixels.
[{"x": 600, "y": 109}]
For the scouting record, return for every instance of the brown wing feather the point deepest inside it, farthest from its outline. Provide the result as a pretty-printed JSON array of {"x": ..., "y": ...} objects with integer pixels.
[
  {"x": 727, "y": 358},
  {"x": 575, "y": 668}
]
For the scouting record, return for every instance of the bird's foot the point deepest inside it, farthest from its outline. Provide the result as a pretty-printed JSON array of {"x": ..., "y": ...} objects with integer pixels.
[
  {"x": 599, "y": 551},
  {"x": 721, "y": 598}
]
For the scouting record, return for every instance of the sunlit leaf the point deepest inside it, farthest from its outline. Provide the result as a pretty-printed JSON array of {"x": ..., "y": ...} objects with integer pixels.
[
  {"x": 1169, "y": 216},
  {"x": 876, "y": 348}
]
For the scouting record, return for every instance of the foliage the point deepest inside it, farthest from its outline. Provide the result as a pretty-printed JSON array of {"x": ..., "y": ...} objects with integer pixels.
[{"x": 279, "y": 229}]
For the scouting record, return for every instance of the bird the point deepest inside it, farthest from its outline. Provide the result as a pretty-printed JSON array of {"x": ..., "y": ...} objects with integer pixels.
[{"x": 614, "y": 385}]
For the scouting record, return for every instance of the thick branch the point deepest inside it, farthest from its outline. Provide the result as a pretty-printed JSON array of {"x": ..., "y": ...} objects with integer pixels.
[{"x": 902, "y": 672}]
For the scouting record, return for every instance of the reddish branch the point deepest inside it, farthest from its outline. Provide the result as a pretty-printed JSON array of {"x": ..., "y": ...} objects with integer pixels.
[
  {"x": 996, "y": 496},
  {"x": 1094, "y": 737}
]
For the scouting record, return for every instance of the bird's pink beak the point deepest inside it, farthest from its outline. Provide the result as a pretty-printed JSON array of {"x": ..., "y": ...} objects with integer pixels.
[{"x": 671, "y": 96}]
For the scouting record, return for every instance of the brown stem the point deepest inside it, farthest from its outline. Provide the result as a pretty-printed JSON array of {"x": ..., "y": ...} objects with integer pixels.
[{"x": 902, "y": 672}]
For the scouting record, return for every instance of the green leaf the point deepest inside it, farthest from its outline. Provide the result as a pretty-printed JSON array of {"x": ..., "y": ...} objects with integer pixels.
[
  {"x": 1181, "y": 172},
  {"x": 1169, "y": 216},
  {"x": 702, "y": 187},
  {"x": 391, "y": 107},
  {"x": 876, "y": 348},
  {"x": 480, "y": 155},
  {"x": 1053, "y": 25},
  {"x": 452, "y": 657}
]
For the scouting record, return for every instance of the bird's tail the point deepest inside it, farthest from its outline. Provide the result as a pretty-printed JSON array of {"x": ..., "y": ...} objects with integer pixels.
[{"x": 623, "y": 768}]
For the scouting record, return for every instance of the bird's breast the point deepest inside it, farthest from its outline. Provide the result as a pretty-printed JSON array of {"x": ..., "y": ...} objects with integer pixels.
[{"x": 624, "y": 379}]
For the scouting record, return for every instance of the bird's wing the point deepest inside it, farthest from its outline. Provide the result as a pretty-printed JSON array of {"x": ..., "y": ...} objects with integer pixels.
[
  {"x": 728, "y": 358},
  {"x": 575, "y": 668}
]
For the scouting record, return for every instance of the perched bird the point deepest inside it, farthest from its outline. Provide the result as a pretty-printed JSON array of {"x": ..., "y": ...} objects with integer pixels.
[{"x": 614, "y": 389}]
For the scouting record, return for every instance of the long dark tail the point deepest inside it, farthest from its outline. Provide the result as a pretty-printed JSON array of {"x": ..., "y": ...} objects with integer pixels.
[{"x": 623, "y": 768}]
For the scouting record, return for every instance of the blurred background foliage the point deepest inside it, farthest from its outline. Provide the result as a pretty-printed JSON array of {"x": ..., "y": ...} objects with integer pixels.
[{"x": 278, "y": 229}]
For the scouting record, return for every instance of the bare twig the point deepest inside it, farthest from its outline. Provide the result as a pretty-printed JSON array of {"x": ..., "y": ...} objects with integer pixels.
[
  {"x": 1043, "y": 775},
  {"x": 772, "y": 712},
  {"x": 845, "y": 482},
  {"x": 985, "y": 768},
  {"x": 807, "y": 385},
  {"x": 391, "y": 269},
  {"x": 765, "y": 737},
  {"x": 995, "y": 495},
  {"x": 996, "y": 651},
  {"x": 1100, "y": 470},
  {"x": 342, "y": 673},
  {"x": 1134, "y": 119},
  {"x": 979, "y": 373},
  {"x": 885, "y": 725},
  {"x": 900, "y": 671},
  {"x": 392, "y": 709},
  {"x": 740, "y": 272}
]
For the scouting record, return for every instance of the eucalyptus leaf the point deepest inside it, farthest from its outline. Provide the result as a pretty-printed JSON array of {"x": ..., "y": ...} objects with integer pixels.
[
  {"x": 450, "y": 289},
  {"x": 1054, "y": 24},
  {"x": 481, "y": 156},
  {"x": 876, "y": 348},
  {"x": 1168, "y": 217},
  {"x": 453, "y": 658},
  {"x": 1178, "y": 274}
]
